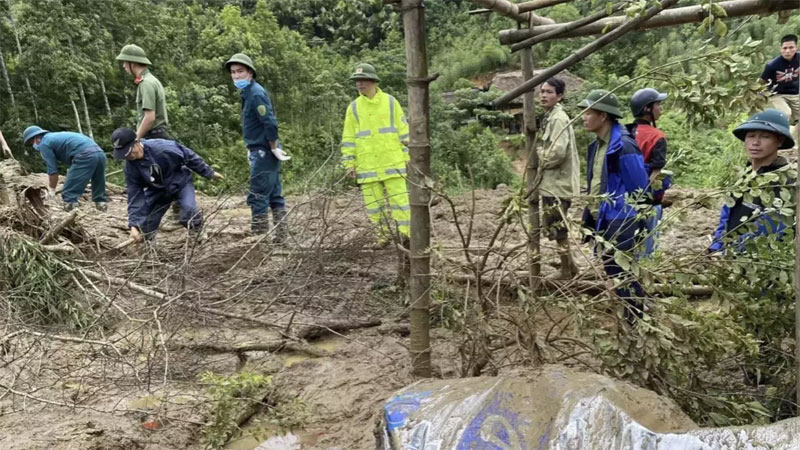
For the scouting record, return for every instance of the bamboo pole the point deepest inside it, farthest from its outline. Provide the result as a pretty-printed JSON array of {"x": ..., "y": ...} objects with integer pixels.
[
  {"x": 529, "y": 120},
  {"x": 19, "y": 51},
  {"x": 77, "y": 116},
  {"x": 557, "y": 32},
  {"x": 675, "y": 16},
  {"x": 507, "y": 9},
  {"x": 538, "y": 4},
  {"x": 419, "y": 193},
  {"x": 579, "y": 55}
]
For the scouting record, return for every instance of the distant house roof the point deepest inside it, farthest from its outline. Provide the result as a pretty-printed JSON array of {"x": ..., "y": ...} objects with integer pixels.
[{"x": 506, "y": 81}]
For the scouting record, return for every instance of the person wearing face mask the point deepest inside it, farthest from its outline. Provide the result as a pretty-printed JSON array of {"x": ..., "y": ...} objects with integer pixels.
[
  {"x": 86, "y": 160},
  {"x": 763, "y": 135},
  {"x": 646, "y": 105},
  {"x": 260, "y": 132},
  {"x": 615, "y": 170},
  {"x": 782, "y": 77},
  {"x": 560, "y": 169},
  {"x": 159, "y": 172}
]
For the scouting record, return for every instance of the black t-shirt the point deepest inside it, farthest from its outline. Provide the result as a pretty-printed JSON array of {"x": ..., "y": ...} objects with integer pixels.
[{"x": 782, "y": 75}]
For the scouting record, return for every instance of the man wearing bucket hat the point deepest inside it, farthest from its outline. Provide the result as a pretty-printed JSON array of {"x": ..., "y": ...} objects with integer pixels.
[
  {"x": 763, "y": 134},
  {"x": 151, "y": 104},
  {"x": 646, "y": 107},
  {"x": 260, "y": 132},
  {"x": 86, "y": 160},
  {"x": 615, "y": 169},
  {"x": 158, "y": 172},
  {"x": 374, "y": 152}
]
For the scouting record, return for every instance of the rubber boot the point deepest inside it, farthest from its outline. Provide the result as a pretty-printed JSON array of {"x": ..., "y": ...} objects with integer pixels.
[
  {"x": 281, "y": 226},
  {"x": 568, "y": 267},
  {"x": 259, "y": 224}
]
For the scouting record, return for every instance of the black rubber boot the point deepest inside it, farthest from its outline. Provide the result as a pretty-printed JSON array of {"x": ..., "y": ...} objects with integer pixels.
[{"x": 259, "y": 224}]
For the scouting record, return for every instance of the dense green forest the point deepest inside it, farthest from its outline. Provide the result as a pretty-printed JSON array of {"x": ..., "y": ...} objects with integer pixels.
[{"x": 60, "y": 70}]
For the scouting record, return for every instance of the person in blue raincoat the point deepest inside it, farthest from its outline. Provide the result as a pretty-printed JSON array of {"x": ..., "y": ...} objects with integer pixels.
[
  {"x": 615, "y": 168},
  {"x": 763, "y": 135},
  {"x": 157, "y": 173},
  {"x": 86, "y": 160}
]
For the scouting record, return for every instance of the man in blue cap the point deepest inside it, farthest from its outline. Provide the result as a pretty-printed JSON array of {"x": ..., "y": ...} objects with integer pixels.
[
  {"x": 763, "y": 134},
  {"x": 157, "y": 173},
  {"x": 86, "y": 160}
]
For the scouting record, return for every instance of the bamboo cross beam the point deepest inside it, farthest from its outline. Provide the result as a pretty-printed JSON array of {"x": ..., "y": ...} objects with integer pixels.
[
  {"x": 556, "y": 32},
  {"x": 675, "y": 16},
  {"x": 507, "y": 9},
  {"x": 579, "y": 55},
  {"x": 538, "y": 4}
]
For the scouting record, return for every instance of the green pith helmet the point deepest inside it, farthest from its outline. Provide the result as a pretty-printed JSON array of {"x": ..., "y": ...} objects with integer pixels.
[
  {"x": 364, "y": 71},
  {"x": 241, "y": 58},
  {"x": 31, "y": 132},
  {"x": 768, "y": 120},
  {"x": 602, "y": 100},
  {"x": 133, "y": 53}
]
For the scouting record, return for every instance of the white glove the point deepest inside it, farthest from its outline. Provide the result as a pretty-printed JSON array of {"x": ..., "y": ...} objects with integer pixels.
[{"x": 280, "y": 154}]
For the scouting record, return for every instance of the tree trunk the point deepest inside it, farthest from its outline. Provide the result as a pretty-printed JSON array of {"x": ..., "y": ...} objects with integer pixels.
[
  {"x": 19, "y": 51},
  {"x": 677, "y": 16},
  {"x": 419, "y": 174},
  {"x": 529, "y": 119},
  {"x": 77, "y": 116},
  {"x": 105, "y": 97},
  {"x": 579, "y": 55},
  {"x": 85, "y": 110},
  {"x": 8, "y": 80}
]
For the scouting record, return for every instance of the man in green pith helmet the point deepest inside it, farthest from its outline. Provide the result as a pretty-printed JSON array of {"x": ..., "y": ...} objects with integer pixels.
[
  {"x": 374, "y": 152},
  {"x": 260, "y": 132},
  {"x": 151, "y": 104}
]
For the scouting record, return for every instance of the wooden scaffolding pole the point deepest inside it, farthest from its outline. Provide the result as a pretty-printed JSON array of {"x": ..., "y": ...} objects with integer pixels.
[
  {"x": 507, "y": 9},
  {"x": 529, "y": 121},
  {"x": 538, "y": 4},
  {"x": 419, "y": 192},
  {"x": 676, "y": 16},
  {"x": 558, "y": 32},
  {"x": 579, "y": 55}
]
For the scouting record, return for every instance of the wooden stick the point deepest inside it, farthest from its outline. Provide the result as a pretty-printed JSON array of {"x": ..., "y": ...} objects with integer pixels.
[
  {"x": 56, "y": 231},
  {"x": 538, "y": 4},
  {"x": 579, "y": 55},
  {"x": 556, "y": 32},
  {"x": 676, "y": 16}
]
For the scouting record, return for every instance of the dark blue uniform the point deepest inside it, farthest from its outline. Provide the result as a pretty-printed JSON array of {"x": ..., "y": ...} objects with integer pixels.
[
  {"x": 259, "y": 127},
  {"x": 163, "y": 175}
]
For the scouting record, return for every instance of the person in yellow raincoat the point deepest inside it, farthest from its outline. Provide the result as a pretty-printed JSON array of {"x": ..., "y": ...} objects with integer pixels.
[{"x": 374, "y": 152}]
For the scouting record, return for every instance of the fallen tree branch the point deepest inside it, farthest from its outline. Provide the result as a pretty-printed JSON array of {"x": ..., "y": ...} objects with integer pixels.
[{"x": 59, "y": 228}]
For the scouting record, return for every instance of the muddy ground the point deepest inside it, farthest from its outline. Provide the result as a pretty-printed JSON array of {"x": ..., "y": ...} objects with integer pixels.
[{"x": 131, "y": 380}]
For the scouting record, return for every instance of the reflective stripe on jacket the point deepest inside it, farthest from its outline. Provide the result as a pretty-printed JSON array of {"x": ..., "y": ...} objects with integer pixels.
[{"x": 372, "y": 138}]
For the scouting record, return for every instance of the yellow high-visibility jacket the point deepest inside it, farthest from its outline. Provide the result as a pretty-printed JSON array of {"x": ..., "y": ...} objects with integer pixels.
[{"x": 372, "y": 138}]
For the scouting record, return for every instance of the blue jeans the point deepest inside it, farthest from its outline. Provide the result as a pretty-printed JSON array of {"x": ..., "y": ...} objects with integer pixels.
[
  {"x": 622, "y": 234},
  {"x": 189, "y": 215},
  {"x": 651, "y": 241},
  {"x": 89, "y": 165},
  {"x": 265, "y": 183}
]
